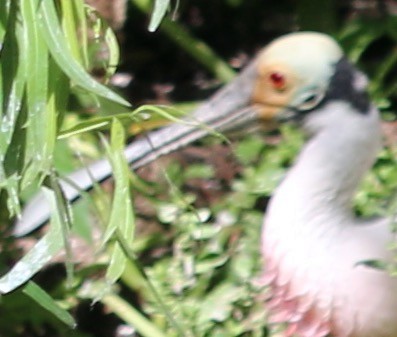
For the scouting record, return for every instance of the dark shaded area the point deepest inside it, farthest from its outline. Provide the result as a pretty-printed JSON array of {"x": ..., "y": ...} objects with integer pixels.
[
  {"x": 235, "y": 30},
  {"x": 92, "y": 318}
]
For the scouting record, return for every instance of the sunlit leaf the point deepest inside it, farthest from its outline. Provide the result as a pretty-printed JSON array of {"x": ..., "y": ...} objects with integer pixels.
[
  {"x": 41, "y": 253},
  {"x": 159, "y": 11}
]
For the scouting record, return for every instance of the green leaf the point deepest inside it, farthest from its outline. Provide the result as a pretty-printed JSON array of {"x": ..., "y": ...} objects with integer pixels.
[
  {"x": 95, "y": 124},
  {"x": 217, "y": 306},
  {"x": 41, "y": 130},
  {"x": 114, "y": 51},
  {"x": 145, "y": 117},
  {"x": 47, "y": 302},
  {"x": 160, "y": 8},
  {"x": 249, "y": 149},
  {"x": 13, "y": 76},
  {"x": 11, "y": 184},
  {"x": 13, "y": 61},
  {"x": 4, "y": 14},
  {"x": 121, "y": 216},
  {"x": 208, "y": 264},
  {"x": 375, "y": 264},
  {"x": 58, "y": 47},
  {"x": 73, "y": 21},
  {"x": 199, "y": 171},
  {"x": 41, "y": 253}
]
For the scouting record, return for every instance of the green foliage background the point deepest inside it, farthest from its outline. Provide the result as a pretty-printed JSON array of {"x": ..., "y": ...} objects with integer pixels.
[{"x": 189, "y": 265}]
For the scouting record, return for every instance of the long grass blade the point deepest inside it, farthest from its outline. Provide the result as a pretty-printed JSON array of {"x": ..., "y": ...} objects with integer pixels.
[
  {"x": 41, "y": 122},
  {"x": 41, "y": 253},
  {"x": 13, "y": 68},
  {"x": 121, "y": 216},
  {"x": 40, "y": 296}
]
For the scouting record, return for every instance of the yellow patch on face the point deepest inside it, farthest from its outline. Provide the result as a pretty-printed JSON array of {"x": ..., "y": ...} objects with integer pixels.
[
  {"x": 291, "y": 70},
  {"x": 273, "y": 90}
]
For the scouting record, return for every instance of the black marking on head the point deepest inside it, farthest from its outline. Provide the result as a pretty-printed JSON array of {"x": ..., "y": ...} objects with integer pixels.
[{"x": 342, "y": 87}]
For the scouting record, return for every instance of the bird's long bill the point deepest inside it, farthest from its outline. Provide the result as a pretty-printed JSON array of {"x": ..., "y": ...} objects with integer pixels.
[{"x": 229, "y": 109}]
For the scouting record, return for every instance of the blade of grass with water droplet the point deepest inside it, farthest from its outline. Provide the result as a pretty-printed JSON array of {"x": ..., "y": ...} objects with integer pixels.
[{"x": 41, "y": 122}]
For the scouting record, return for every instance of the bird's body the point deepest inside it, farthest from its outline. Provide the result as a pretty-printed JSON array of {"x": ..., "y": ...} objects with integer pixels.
[{"x": 313, "y": 245}]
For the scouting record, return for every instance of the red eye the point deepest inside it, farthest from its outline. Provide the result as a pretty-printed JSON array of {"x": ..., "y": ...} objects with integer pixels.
[{"x": 277, "y": 80}]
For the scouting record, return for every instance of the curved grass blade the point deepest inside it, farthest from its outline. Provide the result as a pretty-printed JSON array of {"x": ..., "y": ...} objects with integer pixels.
[
  {"x": 57, "y": 45},
  {"x": 159, "y": 115},
  {"x": 41, "y": 253}
]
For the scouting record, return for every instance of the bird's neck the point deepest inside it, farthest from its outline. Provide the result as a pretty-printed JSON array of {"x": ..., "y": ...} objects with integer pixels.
[{"x": 320, "y": 186}]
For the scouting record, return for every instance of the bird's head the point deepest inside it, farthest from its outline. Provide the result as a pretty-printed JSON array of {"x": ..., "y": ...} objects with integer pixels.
[
  {"x": 300, "y": 76},
  {"x": 299, "y": 73},
  {"x": 294, "y": 72}
]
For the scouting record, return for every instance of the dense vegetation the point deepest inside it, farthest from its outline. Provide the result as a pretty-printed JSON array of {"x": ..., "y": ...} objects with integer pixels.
[{"x": 176, "y": 253}]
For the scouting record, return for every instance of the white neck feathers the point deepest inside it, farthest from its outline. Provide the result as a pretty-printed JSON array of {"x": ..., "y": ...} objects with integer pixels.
[{"x": 342, "y": 147}]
